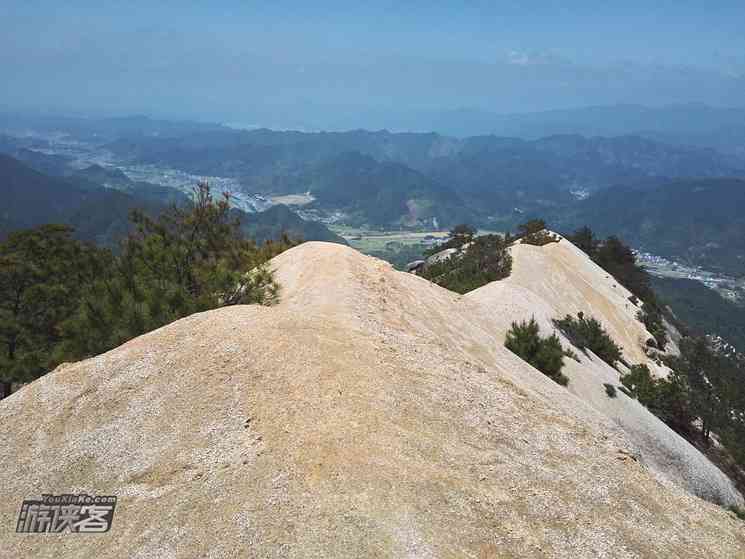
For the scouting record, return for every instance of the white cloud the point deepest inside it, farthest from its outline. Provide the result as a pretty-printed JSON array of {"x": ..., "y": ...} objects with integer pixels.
[{"x": 532, "y": 58}]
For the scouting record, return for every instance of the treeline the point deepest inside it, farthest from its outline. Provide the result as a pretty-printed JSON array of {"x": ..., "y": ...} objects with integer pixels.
[
  {"x": 703, "y": 394},
  {"x": 64, "y": 300},
  {"x": 706, "y": 387},
  {"x": 479, "y": 260},
  {"x": 703, "y": 310}
]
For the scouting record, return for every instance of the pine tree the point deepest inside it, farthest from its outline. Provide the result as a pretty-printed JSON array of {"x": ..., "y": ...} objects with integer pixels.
[
  {"x": 188, "y": 259},
  {"x": 545, "y": 354},
  {"x": 42, "y": 274}
]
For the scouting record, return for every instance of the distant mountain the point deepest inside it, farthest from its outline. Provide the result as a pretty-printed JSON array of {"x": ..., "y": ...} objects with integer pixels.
[
  {"x": 111, "y": 177},
  {"x": 31, "y": 198},
  {"x": 268, "y": 161},
  {"x": 691, "y": 123},
  {"x": 384, "y": 193},
  {"x": 703, "y": 310},
  {"x": 271, "y": 223},
  {"x": 699, "y": 221},
  {"x": 54, "y": 165},
  {"x": 26, "y": 149},
  {"x": 512, "y": 178},
  {"x": 106, "y": 176},
  {"x": 103, "y": 129},
  {"x": 101, "y": 215},
  {"x": 10, "y": 143},
  {"x": 489, "y": 179}
]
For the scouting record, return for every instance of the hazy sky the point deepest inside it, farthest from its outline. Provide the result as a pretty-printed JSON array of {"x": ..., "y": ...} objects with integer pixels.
[{"x": 280, "y": 63}]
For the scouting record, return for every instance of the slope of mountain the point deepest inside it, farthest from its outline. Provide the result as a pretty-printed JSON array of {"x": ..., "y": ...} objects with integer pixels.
[
  {"x": 698, "y": 221},
  {"x": 101, "y": 215},
  {"x": 369, "y": 414},
  {"x": 105, "y": 176},
  {"x": 383, "y": 193},
  {"x": 52, "y": 165},
  {"x": 703, "y": 310},
  {"x": 111, "y": 177},
  {"x": 271, "y": 223},
  {"x": 31, "y": 198},
  {"x": 558, "y": 279}
]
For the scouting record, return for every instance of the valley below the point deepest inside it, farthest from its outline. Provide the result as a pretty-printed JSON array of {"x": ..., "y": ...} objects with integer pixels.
[
  {"x": 85, "y": 154},
  {"x": 729, "y": 287}
]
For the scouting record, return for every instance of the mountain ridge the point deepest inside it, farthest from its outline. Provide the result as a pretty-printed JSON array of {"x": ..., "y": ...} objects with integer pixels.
[{"x": 382, "y": 417}]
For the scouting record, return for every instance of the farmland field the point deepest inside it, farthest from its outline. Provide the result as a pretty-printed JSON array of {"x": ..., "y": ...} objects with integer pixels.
[{"x": 395, "y": 246}]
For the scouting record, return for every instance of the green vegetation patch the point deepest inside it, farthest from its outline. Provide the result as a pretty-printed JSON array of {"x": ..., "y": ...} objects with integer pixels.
[
  {"x": 545, "y": 354},
  {"x": 534, "y": 232},
  {"x": 588, "y": 333},
  {"x": 485, "y": 259},
  {"x": 62, "y": 300},
  {"x": 610, "y": 390}
]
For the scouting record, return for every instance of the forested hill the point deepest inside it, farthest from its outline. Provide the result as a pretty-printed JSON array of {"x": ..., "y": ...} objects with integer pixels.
[
  {"x": 31, "y": 198},
  {"x": 101, "y": 215},
  {"x": 700, "y": 221},
  {"x": 384, "y": 192},
  {"x": 279, "y": 219}
]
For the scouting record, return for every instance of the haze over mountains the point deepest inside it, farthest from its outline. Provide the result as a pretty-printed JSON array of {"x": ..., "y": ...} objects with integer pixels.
[
  {"x": 683, "y": 124},
  {"x": 384, "y": 179}
]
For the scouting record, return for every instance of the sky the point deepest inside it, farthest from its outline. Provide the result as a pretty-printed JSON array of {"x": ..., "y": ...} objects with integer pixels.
[{"x": 331, "y": 64}]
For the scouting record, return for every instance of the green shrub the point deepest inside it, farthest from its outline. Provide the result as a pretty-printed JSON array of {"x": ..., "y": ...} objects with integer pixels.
[
  {"x": 651, "y": 317},
  {"x": 540, "y": 239},
  {"x": 188, "y": 259},
  {"x": 640, "y": 383},
  {"x": 610, "y": 390},
  {"x": 486, "y": 259},
  {"x": 619, "y": 260},
  {"x": 545, "y": 354},
  {"x": 569, "y": 353},
  {"x": 534, "y": 232},
  {"x": 43, "y": 276},
  {"x": 531, "y": 227},
  {"x": 667, "y": 398},
  {"x": 626, "y": 391},
  {"x": 588, "y": 333}
]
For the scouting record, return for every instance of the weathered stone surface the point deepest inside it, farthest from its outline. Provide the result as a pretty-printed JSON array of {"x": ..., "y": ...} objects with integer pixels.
[{"x": 369, "y": 414}]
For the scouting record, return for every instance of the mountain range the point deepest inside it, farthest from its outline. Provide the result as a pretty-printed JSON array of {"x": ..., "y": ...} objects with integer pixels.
[
  {"x": 100, "y": 214},
  {"x": 491, "y": 176},
  {"x": 696, "y": 221},
  {"x": 638, "y": 186}
]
